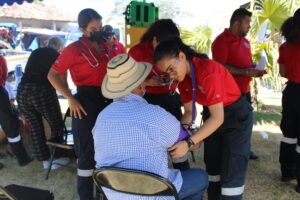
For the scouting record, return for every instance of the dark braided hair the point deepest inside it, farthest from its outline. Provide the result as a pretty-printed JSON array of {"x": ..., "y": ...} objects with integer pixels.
[{"x": 171, "y": 49}]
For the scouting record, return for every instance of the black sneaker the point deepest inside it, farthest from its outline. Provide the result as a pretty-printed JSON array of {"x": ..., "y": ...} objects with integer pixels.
[{"x": 253, "y": 156}]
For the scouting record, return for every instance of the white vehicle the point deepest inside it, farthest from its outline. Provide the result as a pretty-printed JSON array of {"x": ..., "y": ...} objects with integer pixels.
[
  {"x": 32, "y": 38},
  {"x": 74, "y": 33}
]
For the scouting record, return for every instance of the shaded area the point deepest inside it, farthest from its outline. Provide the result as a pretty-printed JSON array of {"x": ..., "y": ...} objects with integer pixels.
[{"x": 267, "y": 114}]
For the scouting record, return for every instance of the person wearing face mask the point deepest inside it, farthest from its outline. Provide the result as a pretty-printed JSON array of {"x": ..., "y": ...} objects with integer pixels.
[
  {"x": 114, "y": 47},
  {"x": 86, "y": 59},
  {"x": 139, "y": 133},
  {"x": 37, "y": 98}
]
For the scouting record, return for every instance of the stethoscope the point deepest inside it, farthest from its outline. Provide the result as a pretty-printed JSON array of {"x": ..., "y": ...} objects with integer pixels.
[
  {"x": 81, "y": 43},
  {"x": 95, "y": 60},
  {"x": 193, "y": 124}
]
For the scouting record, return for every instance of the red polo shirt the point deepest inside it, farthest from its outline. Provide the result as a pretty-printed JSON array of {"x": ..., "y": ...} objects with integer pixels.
[
  {"x": 289, "y": 56},
  {"x": 3, "y": 70},
  {"x": 143, "y": 52},
  {"x": 81, "y": 58},
  {"x": 215, "y": 84},
  {"x": 231, "y": 50},
  {"x": 116, "y": 49}
]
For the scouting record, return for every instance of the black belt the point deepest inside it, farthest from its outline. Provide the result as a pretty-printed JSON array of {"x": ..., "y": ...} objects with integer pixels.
[{"x": 88, "y": 89}]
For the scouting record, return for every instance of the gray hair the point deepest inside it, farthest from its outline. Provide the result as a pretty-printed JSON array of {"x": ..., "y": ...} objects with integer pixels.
[{"x": 55, "y": 43}]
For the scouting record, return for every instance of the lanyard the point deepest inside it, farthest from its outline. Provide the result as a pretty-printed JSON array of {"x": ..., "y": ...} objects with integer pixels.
[
  {"x": 193, "y": 93},
  {"x": 193, "y": 124}
]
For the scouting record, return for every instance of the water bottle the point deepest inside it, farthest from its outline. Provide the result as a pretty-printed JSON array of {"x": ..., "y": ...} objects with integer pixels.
[{"x": 18, "y": 75}]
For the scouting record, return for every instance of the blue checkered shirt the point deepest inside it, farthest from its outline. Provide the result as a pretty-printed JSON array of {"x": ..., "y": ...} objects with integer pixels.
[{"x": 131, "y": 133}]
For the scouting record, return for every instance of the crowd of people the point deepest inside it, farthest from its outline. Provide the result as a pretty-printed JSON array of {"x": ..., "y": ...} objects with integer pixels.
[{"x": 127, "y": 109}]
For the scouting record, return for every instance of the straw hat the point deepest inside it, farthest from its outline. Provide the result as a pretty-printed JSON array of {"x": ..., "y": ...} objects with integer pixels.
[{"x": 123, "y": 75}]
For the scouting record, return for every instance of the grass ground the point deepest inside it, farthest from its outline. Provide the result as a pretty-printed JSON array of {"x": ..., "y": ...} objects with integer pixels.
[{"x": 263, "y": 180}]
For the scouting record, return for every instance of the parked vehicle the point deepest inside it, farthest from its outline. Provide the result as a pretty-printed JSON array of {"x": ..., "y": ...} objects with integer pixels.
[{"x": 24, "y": 41}]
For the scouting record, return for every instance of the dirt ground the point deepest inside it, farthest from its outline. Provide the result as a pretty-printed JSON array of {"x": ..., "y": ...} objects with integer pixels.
[{"x": 263, "y": 180}]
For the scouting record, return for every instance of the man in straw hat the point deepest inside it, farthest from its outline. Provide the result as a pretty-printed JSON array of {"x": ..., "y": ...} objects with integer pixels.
[{"x": 131, "y": 133}]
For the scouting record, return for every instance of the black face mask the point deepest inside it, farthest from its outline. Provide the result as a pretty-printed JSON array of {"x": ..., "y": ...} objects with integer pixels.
[{"x": 96, "y": 36}]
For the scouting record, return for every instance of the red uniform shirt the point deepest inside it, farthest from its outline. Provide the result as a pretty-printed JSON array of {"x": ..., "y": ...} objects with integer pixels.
[
  {"x": 116, "y": 49},
  {"x": 289, "y": 56},
  {"x": 3, "y": 70},
  {"x": 81, "y": 58},
  {"x": 214, "y": 84},
  {"x": 143, "y": 52},
  {"x": 231, "y": 50}
]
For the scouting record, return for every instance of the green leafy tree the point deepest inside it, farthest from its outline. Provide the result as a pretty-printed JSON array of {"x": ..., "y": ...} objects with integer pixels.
[
  {"x": 199, "y": 38},
  {"x": 275, "y": 12}
]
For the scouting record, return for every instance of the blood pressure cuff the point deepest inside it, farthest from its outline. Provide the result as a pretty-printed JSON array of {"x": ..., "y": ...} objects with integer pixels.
[{"x": 184, "y": 133}]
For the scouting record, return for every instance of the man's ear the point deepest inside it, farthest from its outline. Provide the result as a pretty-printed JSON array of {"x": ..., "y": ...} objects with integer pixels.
[{"x": 237, "y": 23}]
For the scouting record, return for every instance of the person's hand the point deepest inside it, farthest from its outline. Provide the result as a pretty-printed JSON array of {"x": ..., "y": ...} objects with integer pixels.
[
  {"x": 179, "y": 149},
  {"x": 153, "y": 81},
  {"x": 76, "y": 110},
  {"x": 197, "y": 146}
]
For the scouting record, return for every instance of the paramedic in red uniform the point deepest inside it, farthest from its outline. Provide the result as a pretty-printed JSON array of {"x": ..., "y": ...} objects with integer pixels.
[
  {"x": 86, "y": 59},
  {"x": 233, "y": 50},
  {"x": 158, "y": 91},
  {"x": 9, "y": 120},
  {"x": 227, "y": 126},
  {"x": 114, "y": 47},
  {"x": 289, "y": 67}
]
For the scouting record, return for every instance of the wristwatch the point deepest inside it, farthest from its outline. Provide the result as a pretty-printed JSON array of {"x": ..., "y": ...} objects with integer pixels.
[{"x": 190, "y": 143}]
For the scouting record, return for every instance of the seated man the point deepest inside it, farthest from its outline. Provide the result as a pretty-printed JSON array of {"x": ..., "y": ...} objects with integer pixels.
[{"x": 131, "y": 133}]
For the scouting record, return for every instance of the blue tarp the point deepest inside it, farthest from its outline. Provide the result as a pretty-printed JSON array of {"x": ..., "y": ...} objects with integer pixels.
[{"x": 10, "y": 2}]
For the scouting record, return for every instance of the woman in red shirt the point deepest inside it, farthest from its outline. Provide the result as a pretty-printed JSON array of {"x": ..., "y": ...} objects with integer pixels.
[
  {"x": 86, "y": 59},
  {"x": 227, "y": 126},
  {"x": 289, "y": 67}
]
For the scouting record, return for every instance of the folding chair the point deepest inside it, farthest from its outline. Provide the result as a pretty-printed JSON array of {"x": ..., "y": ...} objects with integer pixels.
[
  {"x": 67, "y": 144},
  {"x": 19, "y": 192},
  {"x": 5, "y": 195},
  {"x": 135, "y": 182}
]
